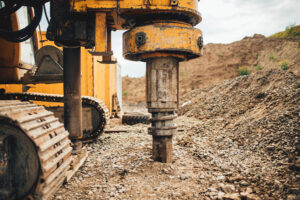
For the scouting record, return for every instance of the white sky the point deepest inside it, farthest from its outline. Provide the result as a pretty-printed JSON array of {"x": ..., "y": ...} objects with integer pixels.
[{"x": 228, "y": 21}]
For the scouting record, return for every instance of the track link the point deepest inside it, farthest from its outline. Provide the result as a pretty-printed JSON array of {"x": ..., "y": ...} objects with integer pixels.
[
  {"x": 88, "y": 135},
  {"x": 51, "y": 149}
]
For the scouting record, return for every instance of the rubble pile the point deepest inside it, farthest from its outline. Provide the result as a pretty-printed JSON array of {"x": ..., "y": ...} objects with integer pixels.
[{"x": 248, "y": 134}]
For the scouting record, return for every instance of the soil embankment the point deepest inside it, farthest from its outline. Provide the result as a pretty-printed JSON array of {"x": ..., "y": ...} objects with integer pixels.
[{"x": 221, "y": 62}]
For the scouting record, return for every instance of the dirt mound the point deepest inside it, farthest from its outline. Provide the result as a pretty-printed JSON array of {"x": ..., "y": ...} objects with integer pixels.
[
  {"x": 133, "y": 90},
  {"x": 253, "y": 121},
  {"x": 221, "y": 62}
]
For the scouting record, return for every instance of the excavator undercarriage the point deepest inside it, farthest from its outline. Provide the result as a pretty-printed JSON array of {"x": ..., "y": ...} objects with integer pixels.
[
  {"x": 35, "y": 151},
  {"x": 94, "y": 112}
]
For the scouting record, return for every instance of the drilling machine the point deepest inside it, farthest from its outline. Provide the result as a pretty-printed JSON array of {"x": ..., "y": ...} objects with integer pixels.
[{"x": 159, "y": 32}]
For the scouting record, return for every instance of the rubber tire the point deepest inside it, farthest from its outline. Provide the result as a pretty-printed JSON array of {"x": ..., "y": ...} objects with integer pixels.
[{"x": 135, "y": 118}]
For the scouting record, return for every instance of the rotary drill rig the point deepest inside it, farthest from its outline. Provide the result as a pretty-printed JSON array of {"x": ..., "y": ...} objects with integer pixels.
[{"x": 34, "y": 147}]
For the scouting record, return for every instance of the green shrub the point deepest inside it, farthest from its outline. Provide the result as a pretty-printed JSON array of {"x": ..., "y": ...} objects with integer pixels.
[
  {"x": 256, "y": 56},
  {"x": 296, "y": 34},
  {"x": 125, "y": 93},
  {"x": 284, "y": 64},
  {"x": 291, "y": 31},
  {"x": 244, "y": 70},
  {"x": 272, "y": 57},
  {"x": 289, "y": 28},
  {"x": 258, "y": 67}
]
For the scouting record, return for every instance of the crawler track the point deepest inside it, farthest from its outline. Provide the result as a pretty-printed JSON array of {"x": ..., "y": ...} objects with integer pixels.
[
  {"x": 96, "y": 104},
  {"x": 36, "y": 151}
]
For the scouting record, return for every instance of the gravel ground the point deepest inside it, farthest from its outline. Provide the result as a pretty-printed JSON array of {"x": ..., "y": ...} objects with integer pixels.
[
  {"x": 237, "y": 141},
  {"x": 119, "y": 166},
  {"x": 205, "y": 166}
]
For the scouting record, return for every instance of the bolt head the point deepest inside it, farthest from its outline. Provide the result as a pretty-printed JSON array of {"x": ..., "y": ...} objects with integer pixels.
[
  {"x": 140, "y": 38},
  {"x": 200, "y": 42}
]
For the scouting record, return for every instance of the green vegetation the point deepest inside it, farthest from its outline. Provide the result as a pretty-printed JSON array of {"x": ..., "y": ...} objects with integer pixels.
[
  {"x": 291, "y": 31},
  {"x": 125, "y": 94},
  {"x": 272, "y": 57},
  {"x": 181, "y": 74},
  {"x": 258, "y": 67},
  {"x": 221, "y": 55},
  {"x": 284, "y": 64},
  {"x": 256, "y": 56},
  {"x": 244, "y": 70}
]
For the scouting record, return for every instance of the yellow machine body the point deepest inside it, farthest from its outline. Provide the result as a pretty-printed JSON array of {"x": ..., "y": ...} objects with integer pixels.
[
  {"x": 136, "y": 6},
  {"x": 184, "y": 35},
  {"x": 12, "y": 68},
  {"x": 98, "y": 80}
]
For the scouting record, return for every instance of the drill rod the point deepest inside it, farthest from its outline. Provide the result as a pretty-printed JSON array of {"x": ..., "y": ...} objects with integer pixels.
[
  {"x": 162, "y": 102},
  {"x": 72, "y": 92}
]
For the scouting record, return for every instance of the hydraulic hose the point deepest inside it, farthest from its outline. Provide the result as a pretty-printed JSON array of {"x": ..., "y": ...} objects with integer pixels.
[{"x": 27, "y": 32}]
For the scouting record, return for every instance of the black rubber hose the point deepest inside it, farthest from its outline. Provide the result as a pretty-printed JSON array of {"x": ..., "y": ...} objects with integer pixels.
[
  {"x": 9, "y": 9},
  {"x": 27, "y": 32}
]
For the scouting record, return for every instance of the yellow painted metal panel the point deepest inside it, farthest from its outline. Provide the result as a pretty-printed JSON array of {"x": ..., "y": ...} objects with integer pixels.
[
  {"x": 87, "y": 80},
  {"x": 162, "y": 37},
  {"x": 39, "y": 88},
  {"x": 99, "y": 80},
  {"x": 108, "y": 99},
  {"x": 56, "y": 88},
  {"x": 100, "y": 32},
  {"x": 135, "y": 5},
  {"x": 11, "y": 87}
]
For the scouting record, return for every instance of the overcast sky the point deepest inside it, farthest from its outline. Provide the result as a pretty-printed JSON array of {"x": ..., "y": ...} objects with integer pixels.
[{"x": 225, "y": 21}]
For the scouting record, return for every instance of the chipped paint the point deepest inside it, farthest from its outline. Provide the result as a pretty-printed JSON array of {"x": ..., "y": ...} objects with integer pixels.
[{"x": 177, "y": 38}]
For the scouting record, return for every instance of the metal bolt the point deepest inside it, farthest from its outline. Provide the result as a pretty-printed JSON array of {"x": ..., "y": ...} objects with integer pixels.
[
  {"x": 174, "y": 2},
  {"x": 140, "y": 38},
  {"x": 131, "y": 23},
  {"x": 200, "y": 42}
]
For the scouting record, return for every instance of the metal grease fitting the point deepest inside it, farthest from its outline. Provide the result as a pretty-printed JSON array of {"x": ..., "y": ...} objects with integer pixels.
[{"x": 140, "y": 38}]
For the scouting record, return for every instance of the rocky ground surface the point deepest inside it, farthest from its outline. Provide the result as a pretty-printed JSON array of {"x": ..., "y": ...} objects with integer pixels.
[
  {"x": 236, "y": 141},
  {"x": 254, "y": 119}
]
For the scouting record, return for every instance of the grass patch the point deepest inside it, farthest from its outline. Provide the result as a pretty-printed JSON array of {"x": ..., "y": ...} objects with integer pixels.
[
  {"x": 244, "y": 70},
  {"x": 125, "y": 93},
  {"x": 272, "y": 57},
  {"x": 291, "y": 31},
  {"x": 256, "y": 56},
  {"x": 181, "y": 74},
  {"x": 258, "y": 67},
  {"x": 284, "y": 64}
]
